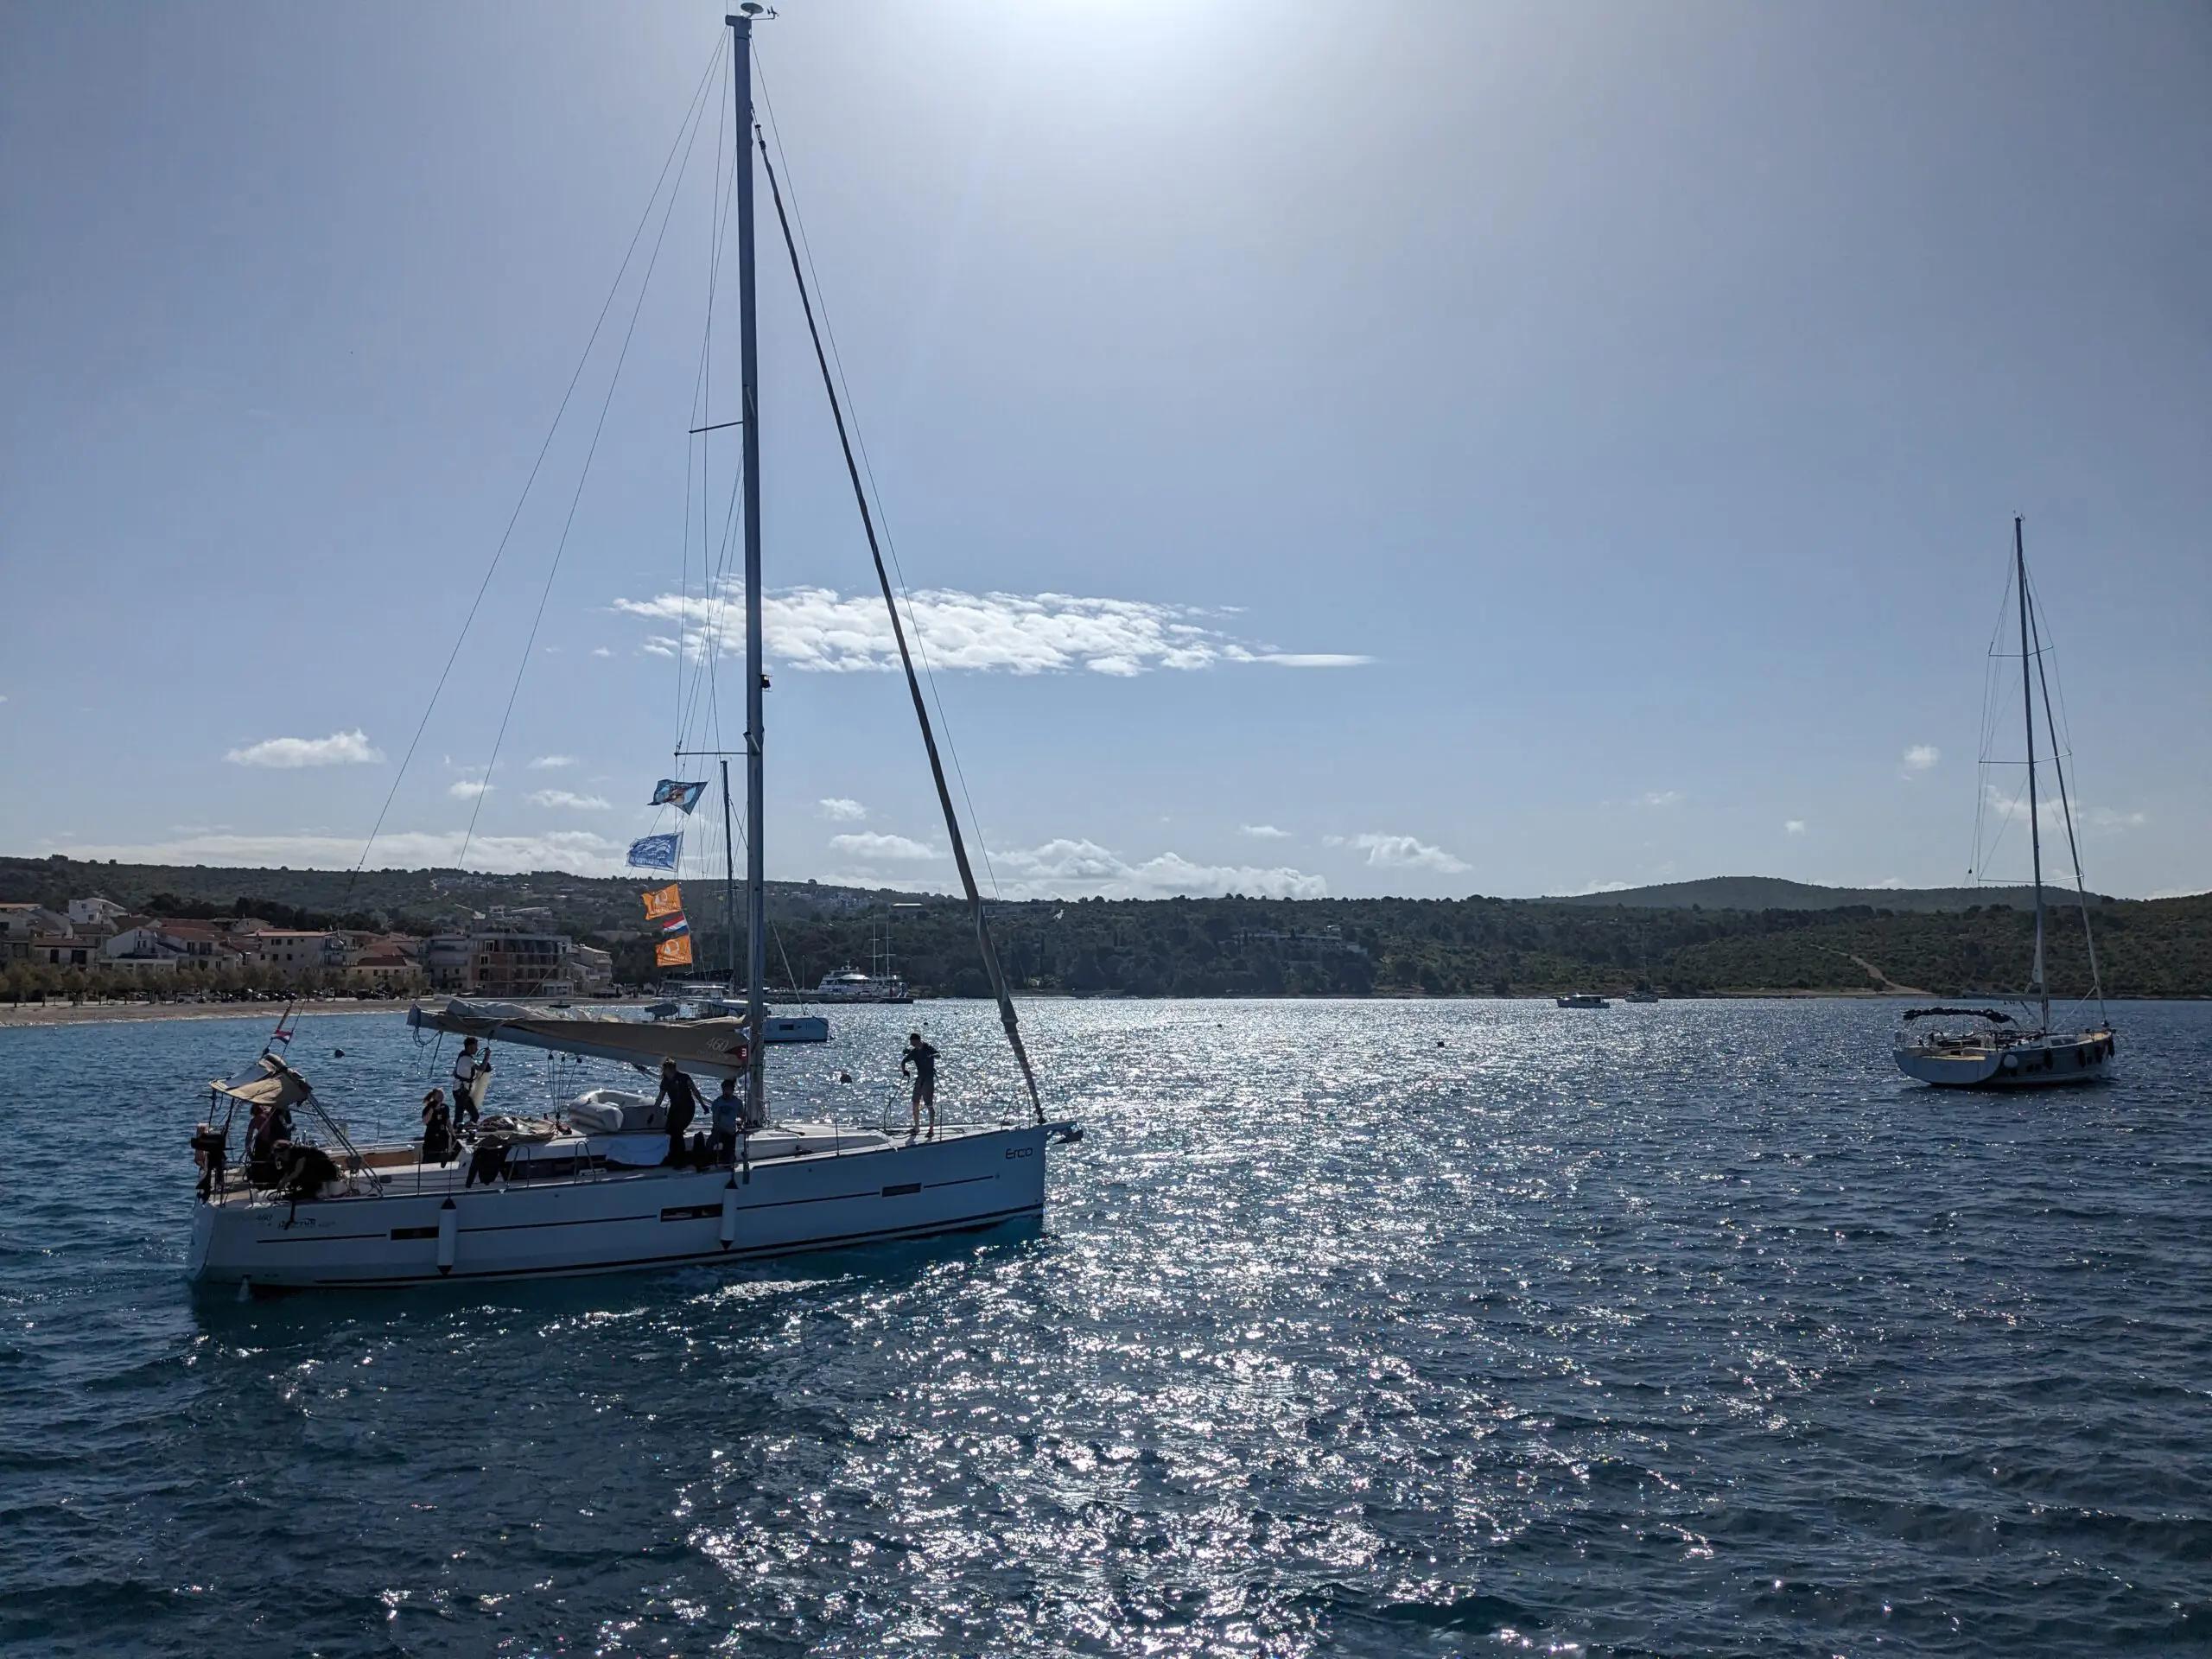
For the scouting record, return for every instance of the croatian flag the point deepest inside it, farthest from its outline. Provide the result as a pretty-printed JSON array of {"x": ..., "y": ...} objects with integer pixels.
[{"x": 655, "y": 852}]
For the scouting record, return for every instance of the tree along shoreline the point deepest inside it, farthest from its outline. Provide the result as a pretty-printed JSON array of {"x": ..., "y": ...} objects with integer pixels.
[{"x": 1242, "y": 947}]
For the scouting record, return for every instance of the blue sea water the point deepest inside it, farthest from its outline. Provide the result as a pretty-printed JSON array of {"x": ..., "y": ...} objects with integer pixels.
[{"x": 1353, "y": 1328}]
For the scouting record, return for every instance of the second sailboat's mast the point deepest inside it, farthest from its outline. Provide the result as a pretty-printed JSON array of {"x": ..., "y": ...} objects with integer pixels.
[
  {"x": 2028, "y": 710},
  {"x": 756, "y": 885}
]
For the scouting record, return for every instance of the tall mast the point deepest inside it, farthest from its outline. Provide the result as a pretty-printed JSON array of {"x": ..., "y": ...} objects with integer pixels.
[
  {"x": 756, "y": 878},
  {"x": 729, "y": 881},
  {"x": 2028, "y": 712}
]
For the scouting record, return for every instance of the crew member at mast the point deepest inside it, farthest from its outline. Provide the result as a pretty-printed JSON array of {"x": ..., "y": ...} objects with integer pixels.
[
  {"x": 468, "y": 1067},
  {"x": 922, "y": 1059},
  {"x": 682, "y": 1096},
  {"x": 728, "y": 1109}
]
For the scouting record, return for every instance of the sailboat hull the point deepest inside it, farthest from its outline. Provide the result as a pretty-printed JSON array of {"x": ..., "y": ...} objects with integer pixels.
[
  {"x": 2039, "y": 1063},
  {"x": 622, "y": 1222}
]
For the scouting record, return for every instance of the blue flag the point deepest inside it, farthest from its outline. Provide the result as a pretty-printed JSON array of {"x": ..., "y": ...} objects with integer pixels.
[
  {"x": 654, "y": 852},
  {"x": 670, "y": 792}
]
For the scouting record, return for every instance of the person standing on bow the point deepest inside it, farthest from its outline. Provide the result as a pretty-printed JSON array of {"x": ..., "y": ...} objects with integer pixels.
[
  {"x": 468, "y": 1069},
  {"x": 922, "y": 1059},
  {"x": 681, "y": 1096}
]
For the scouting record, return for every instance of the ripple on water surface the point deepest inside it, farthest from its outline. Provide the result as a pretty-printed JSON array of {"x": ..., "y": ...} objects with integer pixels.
[{"x": 1372, "y": 1328}]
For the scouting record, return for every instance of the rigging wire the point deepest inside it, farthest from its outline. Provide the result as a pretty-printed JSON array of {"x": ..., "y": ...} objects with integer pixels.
[
  {"x": 713, "y": 569},
  {"x": 867, "y": 467},
  {"x": 515, "y": 517},
  {"x": 2058, "y": 759},
  {"x": 583, "y": 476},
  {"x": 997, "y": 974}
]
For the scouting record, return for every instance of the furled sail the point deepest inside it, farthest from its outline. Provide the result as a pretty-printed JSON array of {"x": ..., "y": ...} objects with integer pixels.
[{"x": 711, "y": 1045}]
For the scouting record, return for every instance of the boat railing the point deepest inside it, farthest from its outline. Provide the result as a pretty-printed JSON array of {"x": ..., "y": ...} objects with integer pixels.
[{"x": 415, "y": 1179}]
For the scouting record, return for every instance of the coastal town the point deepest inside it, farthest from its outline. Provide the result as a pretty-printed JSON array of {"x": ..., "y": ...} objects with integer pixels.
[{"x": 95, "y": 947}]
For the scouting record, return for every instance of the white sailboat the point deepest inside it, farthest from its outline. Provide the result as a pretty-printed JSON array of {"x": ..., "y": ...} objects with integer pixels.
[
  {"x": 588, "y": 1188},
  {"x": 1987, "y": 1048}
]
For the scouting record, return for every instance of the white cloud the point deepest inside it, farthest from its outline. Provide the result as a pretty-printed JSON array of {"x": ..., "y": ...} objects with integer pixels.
[
  {"x": 1265, "y": 832},
  {"x": 552, "y": 762},
  {"x": 338, "y": 749},
  {"x": 1605, "y": 887},
  {"x": 819, "y": 629},
  {"x": 1080, "y": 869},
  {"x": 1921, "y": 757},
  {"x": 870, "y": 846},
  {"x": 1403, "y": 853},
  {"x": 840, "y": 809},
  {"x": 467, "y": 789},
  {"x": 1660, "y": 797},
  {"x": 2013, "y": 809},
  {"x": 1299, "y": 658},
  {"x": 1793, "y": 827},
  {"x": 601, "y": 651},
  {"x": 570, "y": 800},
  {"x": 573, "y": 851}
]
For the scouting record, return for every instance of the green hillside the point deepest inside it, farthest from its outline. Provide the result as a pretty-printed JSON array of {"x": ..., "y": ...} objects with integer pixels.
[
  {"x": 1772, "y": 892},
  {"x": 1255, "y": 947}
]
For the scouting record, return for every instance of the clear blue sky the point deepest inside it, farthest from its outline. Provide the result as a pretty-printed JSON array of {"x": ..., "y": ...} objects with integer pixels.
[{"x": 1638, "y": 396}]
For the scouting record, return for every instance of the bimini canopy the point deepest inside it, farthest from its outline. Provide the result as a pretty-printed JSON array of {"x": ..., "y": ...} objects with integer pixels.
[
  {"x": 1990, "y": 1014},
  {"x": 706, "y": 1045},
  {"x": 271, "y": 1084}
]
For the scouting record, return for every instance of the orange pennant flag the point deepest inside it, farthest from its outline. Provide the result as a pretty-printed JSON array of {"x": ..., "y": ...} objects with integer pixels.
[
  {"x": 663, "y": 901},
  {"x": 673, "y": 953}
]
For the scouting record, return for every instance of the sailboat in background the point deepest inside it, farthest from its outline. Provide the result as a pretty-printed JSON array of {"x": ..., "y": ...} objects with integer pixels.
[
  {"x": 1986, "y": 1048},
  {"x": 603, "y": 1182}
]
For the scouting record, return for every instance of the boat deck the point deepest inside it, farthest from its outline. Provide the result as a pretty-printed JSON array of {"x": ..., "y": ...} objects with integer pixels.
[{"x": 570, "y": 1157}]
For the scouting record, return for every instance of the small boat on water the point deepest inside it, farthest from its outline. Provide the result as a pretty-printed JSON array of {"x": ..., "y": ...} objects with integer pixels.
[
  {"x": 601, "y": 1181},
  {"x": 1582, "y": 999},
  {"x": 1641, "y": 996},
  {"x": 1987, "y": 1048}
]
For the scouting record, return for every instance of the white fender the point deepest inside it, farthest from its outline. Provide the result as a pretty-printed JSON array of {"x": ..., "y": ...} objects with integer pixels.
[
  {"x": 729, "y": 1213},
  {"x": 448, "y": 1225}
]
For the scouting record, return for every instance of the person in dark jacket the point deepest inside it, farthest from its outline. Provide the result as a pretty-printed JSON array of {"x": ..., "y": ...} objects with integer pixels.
[
  {"x": 437, "y": 1129},
  {"x": 682, "y": 1096},
  {"x": 921, "y": 1059}
]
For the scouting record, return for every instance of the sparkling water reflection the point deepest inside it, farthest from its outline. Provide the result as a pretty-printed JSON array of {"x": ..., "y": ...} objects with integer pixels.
[{"x": 1375, "y": 1328}]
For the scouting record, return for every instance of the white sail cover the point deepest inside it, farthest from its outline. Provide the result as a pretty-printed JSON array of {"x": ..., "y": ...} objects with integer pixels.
[{"x": 705, "y": 1046}]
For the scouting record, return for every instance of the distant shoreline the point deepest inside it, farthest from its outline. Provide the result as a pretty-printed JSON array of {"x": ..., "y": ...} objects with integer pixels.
[{"x": 30, "y": 1015}]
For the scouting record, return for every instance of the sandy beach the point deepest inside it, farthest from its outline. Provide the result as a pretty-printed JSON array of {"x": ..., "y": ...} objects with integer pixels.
[{"x": 84, "y": 1013}]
